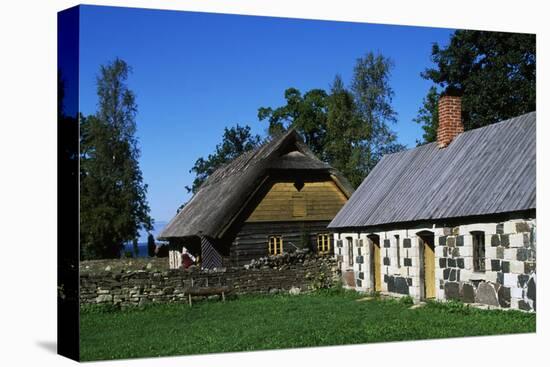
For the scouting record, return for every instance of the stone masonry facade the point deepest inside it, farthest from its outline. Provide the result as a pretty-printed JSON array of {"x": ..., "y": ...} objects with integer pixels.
[
  {"x": 508, "y": 280},
  {"x": 293, "y": 273}
]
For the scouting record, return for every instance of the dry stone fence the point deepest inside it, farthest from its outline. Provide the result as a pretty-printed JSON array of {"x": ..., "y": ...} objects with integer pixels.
[{"x": 294, "y": 273}]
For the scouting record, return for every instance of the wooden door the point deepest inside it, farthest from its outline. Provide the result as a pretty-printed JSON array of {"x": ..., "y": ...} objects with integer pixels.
[
  {"x": 429, "y": 266},
  {"x": 376, "y": 266}
]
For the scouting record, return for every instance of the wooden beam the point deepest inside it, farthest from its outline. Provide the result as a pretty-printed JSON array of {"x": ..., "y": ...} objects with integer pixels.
[{"x": 340, "y": 186}]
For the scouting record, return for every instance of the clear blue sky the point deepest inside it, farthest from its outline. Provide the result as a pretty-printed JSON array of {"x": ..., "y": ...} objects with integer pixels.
[{"x": 196, "y": 73}]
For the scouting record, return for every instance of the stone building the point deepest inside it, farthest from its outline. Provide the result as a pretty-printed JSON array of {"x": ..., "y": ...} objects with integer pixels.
[{"x": 453, "y": 219}]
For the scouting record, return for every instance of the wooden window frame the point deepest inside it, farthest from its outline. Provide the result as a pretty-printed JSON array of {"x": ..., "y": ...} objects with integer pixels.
[
  {"x": 323, "y": 243},
  {"x": 398, "y": 245},
  {"x": 275, "y": 245},
  {"x": 350, "y": 251},
  {"x": 478, "y": 251}
]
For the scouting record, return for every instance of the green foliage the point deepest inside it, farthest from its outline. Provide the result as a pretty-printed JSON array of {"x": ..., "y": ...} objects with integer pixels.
[
  {"x": 347, "y": 128},
  {"x": 235, "y": 141},
  {"x": 495, "y": 73},
  {"x": 451, "y": 306},
  {"x": 113, "y": 205},
  {"x": 373, "y": 96},
  {"x": 307, "y": 114},
  {"x": 319, "y": 281},
  {"x": 336, "y": 289},
  {"x": 343, "y": 133},
  {"x": 407, "y": 301},
  {"x": 374, "y": 294},
  {"x": 102, "y": 308},
  {"x": 151, "y": 245},
  {"x": 274, "y": 322},
  {"x": 428, "y": 117}
]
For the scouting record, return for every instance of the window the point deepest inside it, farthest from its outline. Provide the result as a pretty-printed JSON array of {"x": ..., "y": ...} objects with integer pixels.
[
  {"x": 350, "y": 251},
  {"x": 275, "y": 245},
  {"x": 323, "y": 243},
  {"x": 478, "y": 240},
  {"x": 398, "y": 251}
]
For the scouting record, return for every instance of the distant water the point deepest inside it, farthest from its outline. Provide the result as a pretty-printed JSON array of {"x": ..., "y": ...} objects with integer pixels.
[
  {"x": 157, "y": 228},
  {"x": 142, "y": 249},
  {"x": 142, "y": 241}
]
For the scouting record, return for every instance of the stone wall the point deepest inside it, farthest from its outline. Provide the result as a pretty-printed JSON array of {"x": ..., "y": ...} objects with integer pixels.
[
  {"x": 297, "y": 272},
  {"x": 509, "y": 279}
]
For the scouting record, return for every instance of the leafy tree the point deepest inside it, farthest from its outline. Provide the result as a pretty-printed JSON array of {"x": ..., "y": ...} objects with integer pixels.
[
  {"x": 151, "y": 245},
  {"x": 235, "y": 141},
  {"x": 373, "y": 97},
  {"x": 307, "y": 114},
  {"x": 428, "y": 116},
  {"x": 343, "y": 124},
  {"x": 347, "y": 128},
  {"x": 113, "y": 205},
  {"x": 495, "y": 72}
]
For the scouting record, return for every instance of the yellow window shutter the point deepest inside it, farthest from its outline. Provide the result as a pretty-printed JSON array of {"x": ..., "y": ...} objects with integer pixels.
[{"x": 299, "y": 205}]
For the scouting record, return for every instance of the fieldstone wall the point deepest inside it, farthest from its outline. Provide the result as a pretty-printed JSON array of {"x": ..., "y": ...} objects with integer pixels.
[
  {"x": 509, "y": 279},
  {"x": 293, "y": 273},
  {"x": 399, "y": 267}
]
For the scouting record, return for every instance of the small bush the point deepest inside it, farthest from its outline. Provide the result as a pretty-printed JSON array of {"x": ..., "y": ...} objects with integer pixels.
[
  {"x": 374, "y": 294},
  {"x": 338, "y": 290},
  {"x": 407, "y": 301},
  {"x": 451, "y": 307}
]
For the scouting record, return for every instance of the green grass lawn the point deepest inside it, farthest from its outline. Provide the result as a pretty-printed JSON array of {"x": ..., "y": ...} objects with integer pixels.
[{"x": 274, "y": 322}]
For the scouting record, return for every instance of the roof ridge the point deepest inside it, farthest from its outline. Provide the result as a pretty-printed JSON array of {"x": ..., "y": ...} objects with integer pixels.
[
  {"x": 484, "y": 171},
  {"x": 493, "y": 125},
  {"x": 224, "y": 170}
]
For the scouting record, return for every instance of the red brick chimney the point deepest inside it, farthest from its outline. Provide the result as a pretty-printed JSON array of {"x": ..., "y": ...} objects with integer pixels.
[{"x": 450, "y": 120}]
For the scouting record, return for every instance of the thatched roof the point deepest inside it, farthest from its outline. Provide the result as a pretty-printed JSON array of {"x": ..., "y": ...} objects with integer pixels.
[
  {"x": 214, "y": 207},
  {"x": 485, "y": 171}
]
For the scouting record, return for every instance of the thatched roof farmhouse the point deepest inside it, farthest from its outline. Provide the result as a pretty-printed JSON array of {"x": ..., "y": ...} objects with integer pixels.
[{"x": 278, "y": 197}]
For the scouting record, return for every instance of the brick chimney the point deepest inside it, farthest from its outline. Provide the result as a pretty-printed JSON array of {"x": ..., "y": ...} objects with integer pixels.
[{"x": 450, "y": 120}]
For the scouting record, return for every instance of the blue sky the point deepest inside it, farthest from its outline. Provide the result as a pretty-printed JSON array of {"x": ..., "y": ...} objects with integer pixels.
[{"x": 196, "y": 73}]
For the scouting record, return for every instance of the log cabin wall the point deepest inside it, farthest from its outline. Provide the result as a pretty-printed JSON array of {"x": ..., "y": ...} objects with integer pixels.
[
  {"x": 296, "y": 211},
  {"x": 252, "y": 240}
]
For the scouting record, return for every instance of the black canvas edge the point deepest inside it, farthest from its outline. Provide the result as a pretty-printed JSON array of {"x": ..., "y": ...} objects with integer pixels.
[{"x": 68, "y": 323}]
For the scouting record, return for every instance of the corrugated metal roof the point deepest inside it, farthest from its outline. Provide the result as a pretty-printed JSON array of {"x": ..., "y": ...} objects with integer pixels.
[{"x": 483, "y": 171}]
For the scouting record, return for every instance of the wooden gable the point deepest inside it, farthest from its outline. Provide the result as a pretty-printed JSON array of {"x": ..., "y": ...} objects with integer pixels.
[{"x": 307, "y": 201}]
